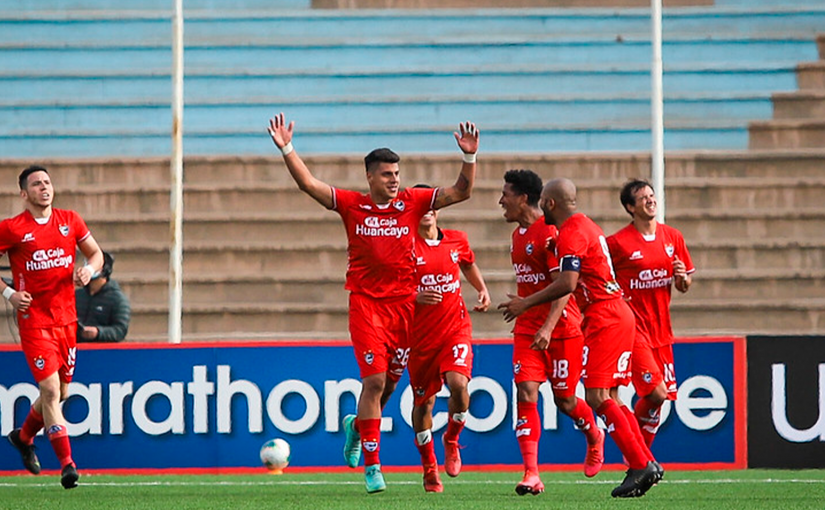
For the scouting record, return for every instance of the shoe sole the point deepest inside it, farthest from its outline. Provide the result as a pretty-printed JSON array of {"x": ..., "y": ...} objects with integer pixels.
[
  {"x": 69, "y": 481},
  {"x": 523, "y": 490}
]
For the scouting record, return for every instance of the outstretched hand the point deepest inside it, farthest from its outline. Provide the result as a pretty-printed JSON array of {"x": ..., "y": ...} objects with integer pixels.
[
  {"x": 512, "y": 308},
  {"x": 467, "y": 137},
  {"x": 280, "y": 132}
]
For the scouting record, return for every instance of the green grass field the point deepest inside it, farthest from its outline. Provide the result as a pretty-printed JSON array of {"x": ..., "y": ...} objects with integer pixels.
[{"x": 751, "y": 489}]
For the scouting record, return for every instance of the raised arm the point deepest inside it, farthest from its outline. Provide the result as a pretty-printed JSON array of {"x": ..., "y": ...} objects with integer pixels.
[
  {"x": 467, "y": 139},
  {"x": 281, "y": 134}
]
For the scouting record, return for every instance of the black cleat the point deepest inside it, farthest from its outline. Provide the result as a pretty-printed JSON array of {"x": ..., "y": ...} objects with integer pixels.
[
  {"x": 69, "y": 477},
  {"x": 637, "y": 482},
  {"x": 660, "y": 472},
  {"x": 30, "y": 460}
]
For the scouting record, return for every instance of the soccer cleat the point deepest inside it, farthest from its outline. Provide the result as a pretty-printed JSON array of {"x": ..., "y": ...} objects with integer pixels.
[
  {"x": 637, "y": 482},
  {"x": 594, "y": 459},
  {"x": 352, "y": 445},
  {"x": 452, "y": 457},
  {"x": 530, "y": 484},
  {"x": 432, "y": 482},
  {"x": 30, "y": 460},
  {"x": 660, "y": 472},
  {"x": 69, "y": 477},
  {"x": 374, "y": 479}
]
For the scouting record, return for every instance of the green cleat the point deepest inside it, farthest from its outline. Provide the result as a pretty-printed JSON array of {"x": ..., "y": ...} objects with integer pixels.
[
  {"x": 352, "y": 445},
  {"x": 374, "y": 479}
]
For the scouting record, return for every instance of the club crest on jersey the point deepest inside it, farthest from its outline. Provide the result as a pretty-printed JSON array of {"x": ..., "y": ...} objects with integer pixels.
[
  {"x": 64, "y": 229},
  {"x": 647, "y": 377},
  {"x": 420, "y": 392},
  {"x": 529, "y": 248},
  {"x": 517, "y": 367},
  {"x": 669, "y": 250},
  {"x": 369, "y": 357},
  {"x": 39, "y": 363},
  {"x": 454, "y": 256},
  {"x": 399, "y": 204}
]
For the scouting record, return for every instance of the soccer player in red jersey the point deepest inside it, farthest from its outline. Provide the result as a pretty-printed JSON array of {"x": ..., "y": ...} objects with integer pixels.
[
  {"x": 547, "y": 339},
  {"x": 649, "y": 257},
  {"x": 608, "y": 326},
  {"x": 442, "y": 347},
  {"x": 41, "y": 243},
  {"x": 381, "y": 227}
]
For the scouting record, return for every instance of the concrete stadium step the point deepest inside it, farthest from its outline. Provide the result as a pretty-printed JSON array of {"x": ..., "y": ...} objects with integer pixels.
[
  {"x": 479, "y": 224},
  {"x": 502, "y": 138},
  {"x": 47, "y": 87},
  {"x": 787, "y": 134},
  {"x": 570, "y": 110},
  {"x": 800, "y": 164},
  {"x": 50, "y": 7},
  {"x": 791, "y": 195},
  {"x": 711, "y": 284},
  {"x": 811, "y": 75},
  {"x": 329, "y": 259},
  {"x": 220, "y": 26},
  {"x": 754, "y": 316},
  {"x": 803, "y": 104},
  {"x": 382, "y": 55}
]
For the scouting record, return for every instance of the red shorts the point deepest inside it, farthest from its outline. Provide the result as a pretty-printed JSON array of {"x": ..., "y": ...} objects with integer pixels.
[
  {"x": 656, "y": 366},
  {"x": 647, "y": 373},
  {"x": 380, "y": 331},
  {"x": 609, "y": 330},
  {"x": 436, "y": 354},
  {"x": 561, "y": 363},
  {"x": 50, "y": 350}
]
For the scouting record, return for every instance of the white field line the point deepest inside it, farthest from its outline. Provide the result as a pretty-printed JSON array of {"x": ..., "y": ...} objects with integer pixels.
[{"x": 261, "y": 483}]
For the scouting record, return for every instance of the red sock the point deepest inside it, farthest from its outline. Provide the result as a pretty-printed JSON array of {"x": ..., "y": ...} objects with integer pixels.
[
  {"x": 370, "y": 430},
  {"x": 648, "y": 417},
  {"x": 619, "y": 429},
  {"x": 637, "y": 432},
  {"x": 528, "y": 432},
  {"x": 585, "y": 421},
  {"x": 454, "y": 428},
  {"x": 32, "y": 425},
  {"x": 427, "y": 452},
  {"x": 59, "y": 437}
]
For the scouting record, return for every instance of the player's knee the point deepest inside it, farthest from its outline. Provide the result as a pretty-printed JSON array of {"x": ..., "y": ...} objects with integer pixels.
[{"x": 566, "y": 404}]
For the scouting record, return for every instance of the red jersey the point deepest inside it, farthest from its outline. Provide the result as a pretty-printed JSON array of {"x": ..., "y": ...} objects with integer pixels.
[
  {"x": 533, "y": 262},
  {"x": 582, "y": 247},
  {"x": 644, "y": 269},
  {"x": 438, "y": 265},
  {"x": 42, "y": 261},
  {"x": 380, "y": 259}
]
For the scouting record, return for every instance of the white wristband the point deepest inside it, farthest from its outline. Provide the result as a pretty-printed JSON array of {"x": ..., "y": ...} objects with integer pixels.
[
  {"x": 469, "y": 158},
  {"x": 8, "y": 292},
  {"x": 286, "y": 149},
  {"x": 90, "y": 269}
]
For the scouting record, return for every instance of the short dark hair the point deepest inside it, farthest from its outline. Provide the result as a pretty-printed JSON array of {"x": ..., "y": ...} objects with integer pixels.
[
  {"x": 108, "y": 265},
  {"x": 24, "y": 175},
  {"x": 381, "y": 155},
  {"x": 629, "y": 189},
  {"x": 525, "y": 182}
]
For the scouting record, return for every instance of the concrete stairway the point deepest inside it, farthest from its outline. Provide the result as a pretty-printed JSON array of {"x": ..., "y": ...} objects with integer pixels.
[
  {"x": 91, "y": 82},
  {"x": 263, "y": 260},
  {"x": 799, "y": 116}
]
